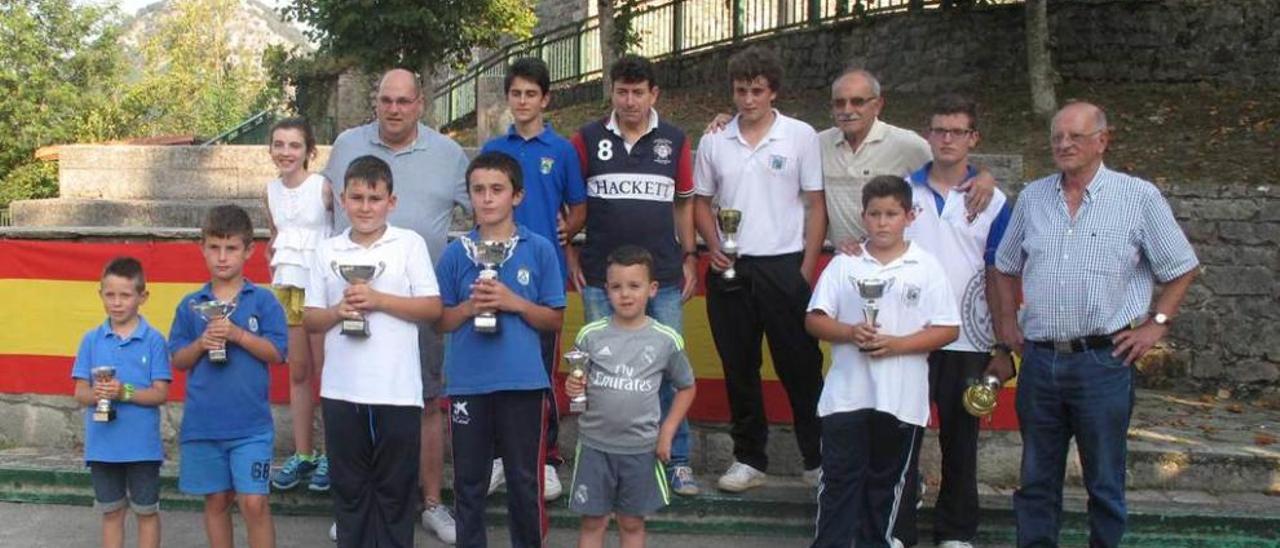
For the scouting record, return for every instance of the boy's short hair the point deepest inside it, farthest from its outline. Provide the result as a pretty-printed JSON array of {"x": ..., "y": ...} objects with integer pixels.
[
  {"x": 501, "y": 162},
  {"x": 887, "y": 186},
  {"x": 954, "y": 103},
  {"x": 631, "y": 255},
  {"x": 757, "y": 61},
  {"x": 633, "y": 69},
  {"x": 228, "y": 221},
  {"x": 532, "y": 69},
  {"x": 369, "y": 170},
  {"x": 128, "y": 268}
]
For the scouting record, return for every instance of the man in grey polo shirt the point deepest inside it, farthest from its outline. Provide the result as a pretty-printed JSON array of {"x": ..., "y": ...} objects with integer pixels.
[
  {"x": 1089, "y": 245},
  {"x": 429, "y": 174}
]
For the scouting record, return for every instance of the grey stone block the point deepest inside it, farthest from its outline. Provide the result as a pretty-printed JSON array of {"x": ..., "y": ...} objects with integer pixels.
[{"x": 123, "y": 213}]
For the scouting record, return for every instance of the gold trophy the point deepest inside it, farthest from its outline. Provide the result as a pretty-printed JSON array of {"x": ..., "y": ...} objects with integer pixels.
[
  {"x": 871, "y": 290},
  {"x": 104, "y": 412},
  {"x": 357, "y": 274},
  {"x": 578, "y": 361},
  {"x": 730, "y": 220},
  {"x": 212, "y": 310},
  {"x": 980, "y": 397},
  {"x": 489, "y": 254}
]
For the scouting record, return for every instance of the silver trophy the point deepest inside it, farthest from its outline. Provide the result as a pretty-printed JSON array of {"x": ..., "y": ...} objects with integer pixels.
[
  {"x": 356, "y": 274},
  {"x": 578, "y": 361},
  {"x": 729, "y": 220},
  {"x": 104, "y": 412},
  {"x": 212, "y": 310},
  {"x": 871, "y": 290},
  {"x": 489, "y": 254}
]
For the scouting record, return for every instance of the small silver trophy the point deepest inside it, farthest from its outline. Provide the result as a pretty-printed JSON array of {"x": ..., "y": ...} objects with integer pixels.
[
  {"x": 489, "y": 254},
  {"x": 357, "y": 274},
  {"x": 104, "y": 412},
  {"x": 980, "y": 397},
  {"x": 212, "y": 310},
  {"x": 729, "y": 220},
  {"x": 578, "y": 361},
  {"x": 871, "y": 290}
]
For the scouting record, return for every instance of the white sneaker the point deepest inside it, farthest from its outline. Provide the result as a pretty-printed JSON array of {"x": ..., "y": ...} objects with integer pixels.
[
  {"x": 437, "y": 520},
  {"x": 550, "y": 483},
  {"x": 897, "y": 543},
  {"x": 739, "y": 478},
  {"x": 920, "y": 499},
  {"x": 498, "y": 477},
  {"x": 812, "y": 477},
  {"x": 955, "y": 544},
  {"x": 333, "y": 532}
]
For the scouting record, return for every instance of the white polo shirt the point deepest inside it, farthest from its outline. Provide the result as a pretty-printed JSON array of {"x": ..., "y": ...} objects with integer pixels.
[
  {"x": 959, "y": 245},
  {"x": 887, "y": 150},
  {"x": 382, "y": 369},
  {"x": 765, "y": 183},
  {"x": 919, "y": 297}
]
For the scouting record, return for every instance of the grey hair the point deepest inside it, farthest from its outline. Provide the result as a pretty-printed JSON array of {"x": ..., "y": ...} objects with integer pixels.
[{"x": 854, "y": 71}]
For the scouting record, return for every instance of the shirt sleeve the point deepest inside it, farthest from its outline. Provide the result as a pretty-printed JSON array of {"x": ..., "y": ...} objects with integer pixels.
[
  {"x": 580, "y": 146},
  {"x": 939, "y": 298},
  {"x": 317, "y": 291},
  {"x": 272, "y": 324},
  {"x": 550, "y": 280},
  {"x": 447, "y": 275},
  {"x": 158, "y": 357},
  {"x": 917, "y": 152},
  {"x": 684, "y": 171},
  {"x": 826, "y": 293},
  {"x": 575, "y": 187},
  {"x": 459, "y": 180},
  {"x": 679, "y": 371},
  {"x": 1163, "y": 242},
  {"x": 1009, "y": 257},
  {"x": 704, "y": 180},
  {"x": 84, "y": 357},
  {"x": 181, "y": 331},
  {"x": 811, "y": 163},
  {"x": 996, "y": 233},
  {"x": 422, "y": 278}
]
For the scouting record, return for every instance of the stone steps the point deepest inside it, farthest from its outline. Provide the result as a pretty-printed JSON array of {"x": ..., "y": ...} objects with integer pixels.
[{"x": 81, "y": 212}]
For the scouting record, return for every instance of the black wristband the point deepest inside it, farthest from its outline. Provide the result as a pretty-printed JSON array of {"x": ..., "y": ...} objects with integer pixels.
[{"x": 1001, "y": 347}]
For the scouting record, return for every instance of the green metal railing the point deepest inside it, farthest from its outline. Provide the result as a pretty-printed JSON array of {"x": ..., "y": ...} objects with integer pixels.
[
  {"x": 4, "y": 217},
  {"x": 252, "y": 130},
  {"x": 678, "y": 27}
]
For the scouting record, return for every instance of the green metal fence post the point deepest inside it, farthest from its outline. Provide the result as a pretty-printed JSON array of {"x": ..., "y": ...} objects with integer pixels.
[
  {"x": 739, "y": 20},
  {"x": 577, "y": 55},
  {"x": 677, "y": 27},
  {"x": 815, "y": 11}
]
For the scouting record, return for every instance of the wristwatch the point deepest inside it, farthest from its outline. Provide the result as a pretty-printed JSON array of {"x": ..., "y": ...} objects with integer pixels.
[
  {"x": 126, "y": 394},
  {"x": 1162, "y": 319},
  {"x": 1000, "y": 347}
]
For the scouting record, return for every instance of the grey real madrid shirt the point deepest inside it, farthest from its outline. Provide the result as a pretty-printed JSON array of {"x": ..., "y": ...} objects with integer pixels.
[{"x": 627, "y": 366}]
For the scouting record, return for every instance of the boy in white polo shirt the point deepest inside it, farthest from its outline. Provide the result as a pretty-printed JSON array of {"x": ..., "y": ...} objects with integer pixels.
[
  {"x": 765, "y": 165},
  {"x": 876, "y": 397},
  {"x": 371, "y": 393}
]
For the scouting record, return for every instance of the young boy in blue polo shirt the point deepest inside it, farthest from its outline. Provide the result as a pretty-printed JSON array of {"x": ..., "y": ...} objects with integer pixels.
[
  {"x": 553, "y": 186},
  {"x": 496, "y": 380},
  {"x": 124, "y": 453},
  {"x": 227, "y": 431}
]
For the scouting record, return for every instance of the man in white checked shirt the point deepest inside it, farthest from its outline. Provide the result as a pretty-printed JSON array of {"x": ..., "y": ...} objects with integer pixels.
[{"x": 1088, "y": 244}]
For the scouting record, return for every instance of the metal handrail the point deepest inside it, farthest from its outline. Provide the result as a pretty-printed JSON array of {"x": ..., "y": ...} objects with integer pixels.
[
  {"x": 677, "y": 27},
  {"x": 246, "y": 126}
]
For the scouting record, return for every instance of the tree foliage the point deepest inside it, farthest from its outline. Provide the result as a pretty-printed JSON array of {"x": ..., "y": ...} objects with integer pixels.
[{"x": 411, "y": 33}]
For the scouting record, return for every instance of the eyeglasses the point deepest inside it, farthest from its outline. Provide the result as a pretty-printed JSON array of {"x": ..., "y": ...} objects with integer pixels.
[
  {"x": 855, "y": 102},
  {"x": 1060, "y": 139},
  {"x": 401, "y": 102},
  {"x": 946, "y": 133}
]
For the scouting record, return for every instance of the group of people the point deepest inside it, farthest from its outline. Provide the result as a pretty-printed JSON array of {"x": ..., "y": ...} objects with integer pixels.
[{"x": 1064, "y": 278}]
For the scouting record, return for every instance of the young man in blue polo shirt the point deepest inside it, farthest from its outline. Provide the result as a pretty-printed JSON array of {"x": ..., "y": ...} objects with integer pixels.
[
  {"x": 227, "y": 432},
  {"x": 552, "y": 185},
  {"x": 495, "y": 380},
  {"x": 124, "y": 453}
]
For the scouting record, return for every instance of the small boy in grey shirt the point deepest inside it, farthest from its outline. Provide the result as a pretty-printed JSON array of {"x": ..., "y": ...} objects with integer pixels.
[{"x": 621, "y": 446}]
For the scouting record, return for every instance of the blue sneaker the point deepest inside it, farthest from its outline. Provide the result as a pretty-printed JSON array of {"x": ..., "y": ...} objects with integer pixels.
[
  {"x": 320, "y": 477},
  {"x": 683, "y": 482},
  {"x": 292, "y": 472}
]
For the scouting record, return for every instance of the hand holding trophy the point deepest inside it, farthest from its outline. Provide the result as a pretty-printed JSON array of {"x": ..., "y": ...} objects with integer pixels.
[
  {"x": 213, "y": 310},
  {"x": 356, "y": 274}
]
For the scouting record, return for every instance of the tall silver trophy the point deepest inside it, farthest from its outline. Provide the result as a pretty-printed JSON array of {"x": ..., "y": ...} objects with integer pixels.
[
  {"x": 489, "y": 254},
  {"x": 356, "y": 274},
  {"x": 729, "y": 220},
  {"x": 578, "y": 361},
  {"x": 871, "y": 290},
  {"x": 212, "y": 310},
  {"x": 104, "y": 412}
]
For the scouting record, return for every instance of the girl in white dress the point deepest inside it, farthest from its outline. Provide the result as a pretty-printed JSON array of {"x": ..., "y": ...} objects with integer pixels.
[{"x": 300, "y": 215}]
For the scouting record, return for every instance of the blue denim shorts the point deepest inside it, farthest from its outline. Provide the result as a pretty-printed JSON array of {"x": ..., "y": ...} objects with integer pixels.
[
  {"x": 115, "y": 483},
  {"x": 242, "y": 465}
]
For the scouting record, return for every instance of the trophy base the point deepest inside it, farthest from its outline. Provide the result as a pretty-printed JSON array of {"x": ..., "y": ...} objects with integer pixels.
[
  {"x": 104, "y": 416},
  {"x": 218, "y": 356},
  {"x": 355, "y": 328},
  {"x": 577, "y": 407},
  {"x": 486, "y": 324}
]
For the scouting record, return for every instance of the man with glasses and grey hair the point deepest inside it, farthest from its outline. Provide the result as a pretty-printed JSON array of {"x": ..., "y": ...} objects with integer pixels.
[{"x": 1088, "y": 245}]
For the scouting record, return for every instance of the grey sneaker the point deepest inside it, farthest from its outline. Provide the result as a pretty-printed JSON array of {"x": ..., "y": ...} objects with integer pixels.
[
  {"x": 438, "y": 520},
  {"x": 740, "y": 477}
]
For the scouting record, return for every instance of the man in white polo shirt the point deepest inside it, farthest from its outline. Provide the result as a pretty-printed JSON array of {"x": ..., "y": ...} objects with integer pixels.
[{"x": 765, "y": 165}]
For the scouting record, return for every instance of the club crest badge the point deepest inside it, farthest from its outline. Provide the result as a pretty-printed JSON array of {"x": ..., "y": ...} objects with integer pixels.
[
  {"x": 523, "y": 276},
  {"x": 662, "y": 149},
  {"x": 911, "y": 293},
  {"x": 547, "y": 164},
  {"x": 777, "y": 163},
  {"x": 253, "y": 324}
]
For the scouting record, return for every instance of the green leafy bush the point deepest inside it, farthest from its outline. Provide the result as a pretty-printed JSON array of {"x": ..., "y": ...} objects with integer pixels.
[{"x": 29, "y": 181}]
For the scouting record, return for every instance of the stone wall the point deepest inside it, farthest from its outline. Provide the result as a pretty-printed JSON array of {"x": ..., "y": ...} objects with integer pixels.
[{"x": 555, "y": 13}]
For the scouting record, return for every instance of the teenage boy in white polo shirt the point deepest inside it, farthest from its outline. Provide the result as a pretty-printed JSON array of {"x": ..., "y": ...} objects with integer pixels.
[
  {"x": 966, "y": 247},
  {"x": 371, "y": 393},
  {"x": 876, "y": 399},
  {"x": 765, "y": 165}
]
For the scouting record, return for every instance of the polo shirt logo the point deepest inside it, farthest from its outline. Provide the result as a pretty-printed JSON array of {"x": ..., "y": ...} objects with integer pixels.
[
  {"x": 522, "y": 276},
  {"x": 460, "y": 413},
  {"x": 547, "y": 164},
  {"x": 662, "y": 150},
  {"x": 912, "y": 294},
  {"x": 253, "y": 324},
  {"x": 777, "y": 163}
]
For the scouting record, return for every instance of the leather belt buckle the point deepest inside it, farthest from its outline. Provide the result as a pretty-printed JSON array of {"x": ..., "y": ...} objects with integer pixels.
[{"x": 1063, "y": 347}]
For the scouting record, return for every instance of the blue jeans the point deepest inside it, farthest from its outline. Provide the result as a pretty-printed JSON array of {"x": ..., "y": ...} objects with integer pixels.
[
  {"x": 667, "y": 308},
  {"x": 1088, "y": 395}
]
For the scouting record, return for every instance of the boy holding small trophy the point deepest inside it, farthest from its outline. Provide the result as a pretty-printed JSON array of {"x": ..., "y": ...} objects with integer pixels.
[
  {"x": 502, "y": 288},
  {"x": 876, "y": 396},
  {"x": 122, "y": 373},
  {"x": 225, "y": 335},
  {"x": 622, "y": 445},
  {"x": 368, "y": 290}
]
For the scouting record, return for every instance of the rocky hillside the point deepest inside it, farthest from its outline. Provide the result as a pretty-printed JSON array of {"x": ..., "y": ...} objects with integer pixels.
[{"x": 252, "y": 28}]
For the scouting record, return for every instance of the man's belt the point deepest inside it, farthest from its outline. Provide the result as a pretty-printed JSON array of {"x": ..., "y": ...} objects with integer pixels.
[{"x": 1072, "y": 346}]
